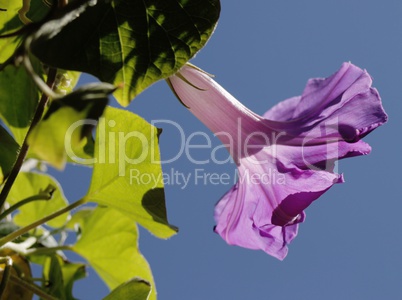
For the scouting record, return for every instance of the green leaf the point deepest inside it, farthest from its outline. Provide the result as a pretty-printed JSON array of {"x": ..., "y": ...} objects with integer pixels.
[
  {"x": 71, "y": 273},
  {"x": 19, "y": 97},
  {"x": 65, "y": 130},
  {"x": 9, "y": 23},
  {"x": 127, "y": 173},
  {"x": 109, "y": 243},
  {"x": 135, "y": 289},
  {"x": 16, "y": 14},
  {"x": 53, "y": 277},
  {"x": 129, "y": 42},
  {"x": 7, "y": 227},
  {"x": 30, "y": 184},
  {"x": 60, "y": 276},
  {"x": 8, "y": 153},
  {"x": 78, "y": 218}
]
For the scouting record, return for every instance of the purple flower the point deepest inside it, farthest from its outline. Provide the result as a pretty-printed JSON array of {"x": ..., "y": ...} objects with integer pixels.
[{"x": 286, "y": 158}]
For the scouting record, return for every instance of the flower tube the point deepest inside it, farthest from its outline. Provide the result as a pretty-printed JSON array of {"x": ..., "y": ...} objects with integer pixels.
[{"x": 285, "y": 158}]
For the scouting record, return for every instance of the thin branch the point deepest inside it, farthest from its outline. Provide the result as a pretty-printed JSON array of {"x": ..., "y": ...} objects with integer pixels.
[
  {"x": 44, "y": 87},
  {"x": 47, "y": 250},
  {"x": 31, "y": 287},
  {"x": 24, "y": 148},
  {"x": 6, "y": 273},
  {"x": 42, "y": 196},
  {"x": 21, "y": 231}
]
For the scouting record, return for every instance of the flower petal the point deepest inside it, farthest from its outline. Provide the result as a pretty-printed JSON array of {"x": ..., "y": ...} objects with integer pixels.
[
  {"x": 293, "y": 149},
  {"x": 223, "y": 114},
  {"x": 211, "y": 103},
  {"x": 262, "y": 210},
  {"x": 320, "y": 157},
  {"x": 344, "y": 103},
  {"x": 235, "y": 225}
]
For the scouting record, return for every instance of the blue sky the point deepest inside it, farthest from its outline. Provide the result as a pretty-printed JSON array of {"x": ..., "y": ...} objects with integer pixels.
[{"x": 350, "y": 244}]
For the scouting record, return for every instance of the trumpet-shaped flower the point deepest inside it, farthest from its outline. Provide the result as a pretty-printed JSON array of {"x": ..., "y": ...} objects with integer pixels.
[{"x": 286, "y": 158}]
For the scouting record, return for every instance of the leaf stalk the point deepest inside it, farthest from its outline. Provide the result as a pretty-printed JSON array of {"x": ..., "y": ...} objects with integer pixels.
[
  {"x": 24, "y": 148},
  {"x": 21, "y": 231}
]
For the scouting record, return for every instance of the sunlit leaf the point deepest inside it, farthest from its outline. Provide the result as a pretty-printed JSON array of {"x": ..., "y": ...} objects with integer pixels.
[
  {"x": 135, "y": 289},
  {"x": 31, "y": 184},
  {"x": 78, "y": 218},
  {"x": 8, "y": 153},
  {"x": 127, "y": 173},
  {"x": 109, "y": 243},
  {"x": 14, "y": 15},
  {"x": 134, "y": 42},
  {"x": 65, "y": 130},
  {"x": 71, "y": 273},
  {"x": 19, "y": 97},
  {"x": 9, "y": 22}
]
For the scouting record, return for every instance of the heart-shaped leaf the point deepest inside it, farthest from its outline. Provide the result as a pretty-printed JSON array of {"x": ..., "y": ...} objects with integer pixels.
[
  {"x": 19, "y": 97},
  {"x": 31, "y": 184},
  {"x": 127, "y": 173},
  {"x": 65, "y": 130},
  {"x": 134, "y": 289},
  {"x": 129, "y": 42},
  {"x": 109, "y": 243},
  {"x": 14, "y": 15}
]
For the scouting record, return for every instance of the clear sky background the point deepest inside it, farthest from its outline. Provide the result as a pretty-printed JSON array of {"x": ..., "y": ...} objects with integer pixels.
[{"x": 350, "y": 246}]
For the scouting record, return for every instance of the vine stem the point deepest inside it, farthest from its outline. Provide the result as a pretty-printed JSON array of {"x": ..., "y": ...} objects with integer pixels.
[
  {"x": 40, "y": 197},
  {"x": 24, "y": 148},
  {"x": 21, "y": 231},
  {"x": 45, "y": 250},
  {"x": 31, "y": 287},
  {"x": 5, "y": 274}
]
